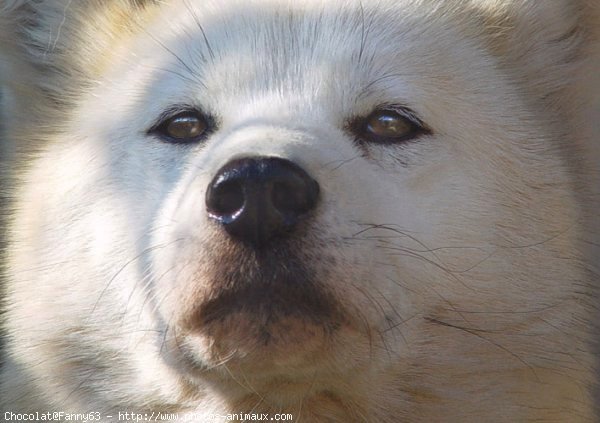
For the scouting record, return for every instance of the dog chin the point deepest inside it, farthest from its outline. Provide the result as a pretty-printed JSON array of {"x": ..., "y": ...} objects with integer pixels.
[{"x": 263, "y": 309}]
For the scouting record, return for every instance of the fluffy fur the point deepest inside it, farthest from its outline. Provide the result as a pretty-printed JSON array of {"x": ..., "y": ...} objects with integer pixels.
[{"x": 454, "y": 276}]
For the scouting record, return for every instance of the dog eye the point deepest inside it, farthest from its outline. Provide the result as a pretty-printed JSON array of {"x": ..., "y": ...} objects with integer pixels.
[
  {"x": 184, "y": 127},
  {"x": 386, "y": 126}
]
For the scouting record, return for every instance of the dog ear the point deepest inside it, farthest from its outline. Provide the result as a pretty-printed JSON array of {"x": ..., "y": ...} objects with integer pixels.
[
  {"x": 551, "y": 48},
  {"x": 542, "y": 44},
  {"x": 43, "y": 28},
  {"x": 49, "y": 51},
  {"x": 57, "y": 43},
  {"x": 32, "y": 34}
]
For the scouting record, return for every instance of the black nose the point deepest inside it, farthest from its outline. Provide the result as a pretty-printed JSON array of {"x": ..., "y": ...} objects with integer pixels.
[{"x": 260, "y": 198}]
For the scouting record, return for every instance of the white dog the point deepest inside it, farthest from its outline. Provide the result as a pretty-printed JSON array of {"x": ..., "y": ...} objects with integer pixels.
[{"x": 309, "y": 210}]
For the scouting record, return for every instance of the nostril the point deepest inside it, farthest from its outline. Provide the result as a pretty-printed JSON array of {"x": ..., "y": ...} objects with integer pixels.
[{"x": 225, "y": 198}]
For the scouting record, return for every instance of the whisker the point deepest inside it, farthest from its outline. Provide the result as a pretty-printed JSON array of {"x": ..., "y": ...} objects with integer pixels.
[
  {"x": 147, "y": 250},
  {"x": 477, "y": 333},
  {"x": 197, "y": 20}
]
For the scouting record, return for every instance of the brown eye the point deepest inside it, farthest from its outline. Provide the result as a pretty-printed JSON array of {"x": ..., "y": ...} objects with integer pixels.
[
  {"x": 184, "y": 127},
  {"x": 386, "y": 126},
  {"x": 389, "y": 125}
]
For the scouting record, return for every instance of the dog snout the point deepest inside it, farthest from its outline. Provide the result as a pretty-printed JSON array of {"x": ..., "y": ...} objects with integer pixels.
[{"x": 259, "y": 199}]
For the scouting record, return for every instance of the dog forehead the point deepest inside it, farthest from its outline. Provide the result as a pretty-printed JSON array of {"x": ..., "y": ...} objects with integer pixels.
[
  {"x": 282, "y": 40},
  {"x": 324, "y": 54}
]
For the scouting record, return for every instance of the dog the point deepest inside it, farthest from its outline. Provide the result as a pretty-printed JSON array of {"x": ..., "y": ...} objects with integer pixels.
[{"x": 316, "y": 211}]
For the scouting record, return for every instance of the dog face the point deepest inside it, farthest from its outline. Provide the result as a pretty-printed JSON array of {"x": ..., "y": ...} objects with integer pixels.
[{"x": 333, "y": 202}]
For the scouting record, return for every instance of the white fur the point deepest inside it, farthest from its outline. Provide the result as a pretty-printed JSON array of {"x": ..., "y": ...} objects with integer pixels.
[{"x": 466, "y": 254}]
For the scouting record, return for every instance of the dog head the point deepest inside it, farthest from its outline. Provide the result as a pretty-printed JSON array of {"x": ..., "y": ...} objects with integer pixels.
[{"x": 331, "y": 200}]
